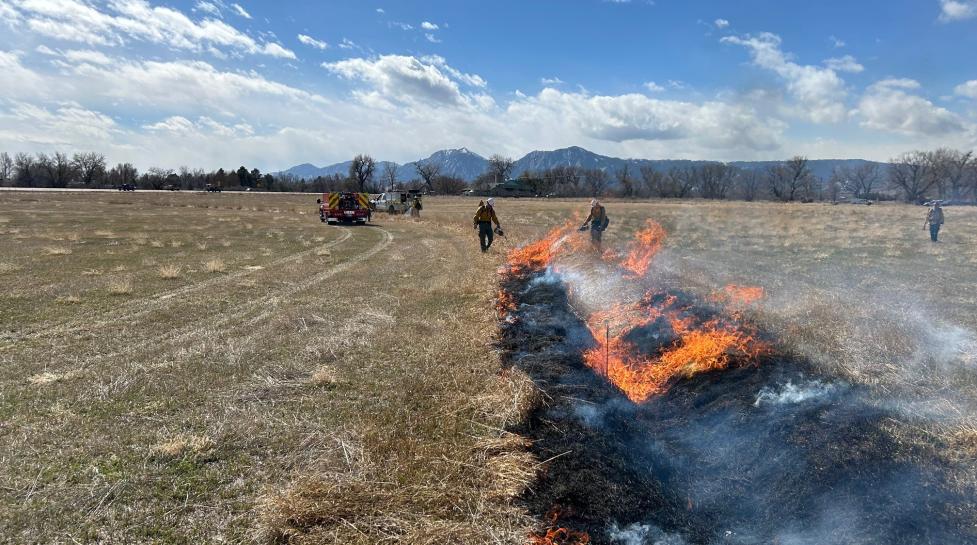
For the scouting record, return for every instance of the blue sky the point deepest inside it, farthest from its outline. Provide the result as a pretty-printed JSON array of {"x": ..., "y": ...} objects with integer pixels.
[{"x": 271, "y": 84}]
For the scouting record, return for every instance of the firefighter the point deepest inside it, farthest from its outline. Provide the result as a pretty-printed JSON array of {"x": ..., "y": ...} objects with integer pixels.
[
  {"x": 415, "y": 208},
  {"x": 484, "y": 217},
  {"x": 935, "y": 220},
  {"x": 598, "y": 222}
]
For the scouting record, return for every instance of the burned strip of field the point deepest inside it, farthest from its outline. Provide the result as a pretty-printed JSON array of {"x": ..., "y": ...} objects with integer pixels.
[{"x": 768, "y": 451}]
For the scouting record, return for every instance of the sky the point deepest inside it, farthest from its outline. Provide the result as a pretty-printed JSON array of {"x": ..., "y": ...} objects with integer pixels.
[{"x": 209, "y": 83}]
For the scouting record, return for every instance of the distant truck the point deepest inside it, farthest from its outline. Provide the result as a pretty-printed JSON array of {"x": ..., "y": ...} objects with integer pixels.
[
  {"x": 127, "y": 187},
  {"x": 395, "y": 202},
  {"x": 214, "y": 188},
  {"x": 345, "y": 207}
]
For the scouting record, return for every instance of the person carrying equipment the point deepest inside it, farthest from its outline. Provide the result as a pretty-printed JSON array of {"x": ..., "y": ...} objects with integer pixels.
[
  {"x": 484, "y": 217},
  {"x": 935, "y": 219},
  {"x": 598, "y": 221}
]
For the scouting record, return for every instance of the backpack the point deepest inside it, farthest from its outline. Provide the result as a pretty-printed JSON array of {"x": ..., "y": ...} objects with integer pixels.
[{"x": 605, "y": 223}]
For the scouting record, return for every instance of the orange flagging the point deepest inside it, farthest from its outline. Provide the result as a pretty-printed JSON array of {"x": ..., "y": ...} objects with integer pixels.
[{"x": 647, "y": 242}]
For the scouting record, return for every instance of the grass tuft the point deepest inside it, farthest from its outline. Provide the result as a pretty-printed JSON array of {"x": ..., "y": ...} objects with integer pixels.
[
  {"x": 56, "y": 250},
  {"x": 120, "y": 286},
  {"x": 169, "y": 272}
]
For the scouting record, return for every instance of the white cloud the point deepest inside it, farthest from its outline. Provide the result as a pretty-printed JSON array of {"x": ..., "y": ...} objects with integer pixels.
[
  {"x": 653, "y": 87},
  {"x": 77, "y": 56},
  {"x": 552, "y": 81},
  {"x": 429, "y": 26},
  {"x": 721, "y": 23},
  {"x": 241, "y": 11},
  {"x": 401, "y": 26},
  {"x": 208, "y": 7},
  {"x": 68, "y": 125},
  {"x": 405, "y": 79},
  {"x": 637, "y": 117},
  {"x": 957, "y": 10},
  {"x": 844, "y": 64},
  {"x": 380, "y": 11},
  {"x": 347, "y": 44},
  {"x": 432, "y": 38},
  {"x": 17, "y": 79},
  {"x": 310, "y": 41},
  {"x": 889, "y": 106},
  {"x": 473, "y": 80},
  {"x": 967, "y": 89},
  {"x": 122, "y": 20},
  {"x": 819, "y": 91},
  {"x": 837, "y": 42},
  {"x": 45, "y": 50},
  {"x": 9, "y": 15}
]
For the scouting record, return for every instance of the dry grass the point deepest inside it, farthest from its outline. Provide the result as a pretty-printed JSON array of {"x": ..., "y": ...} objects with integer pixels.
[
  {"x": 170, "y": 272},
  {"x": 6, "y": 268},
  {"x": 69, "y": 300},
  {"x": 56, "y": 250},
  {"x": 215, "y": 266},
  {"x": 361, "y": 404},
  {"x": 120, "y": 286}
]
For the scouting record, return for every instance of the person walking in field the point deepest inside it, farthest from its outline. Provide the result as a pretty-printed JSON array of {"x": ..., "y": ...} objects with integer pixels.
[
  {"x": 598, "y": 222},
  {"x": 935, "y": 219},
  {"x": 415, "y": 208},
  {"x": 484, "y": 217}
]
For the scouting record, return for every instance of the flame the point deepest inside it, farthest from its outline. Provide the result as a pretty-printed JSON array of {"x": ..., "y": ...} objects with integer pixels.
[
  {"x": 647, "y": 242},
  {"x": 695, "y": 345},
  {"x": 740, "y": 296},
  {"x": 556, "y": 535},
  {"x": 699, "y": 346},
  {"x": 505, "y": 303}
]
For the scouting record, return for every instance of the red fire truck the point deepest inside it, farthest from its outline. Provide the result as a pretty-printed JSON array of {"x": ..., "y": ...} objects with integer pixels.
[{"x": 345, "y": 207}]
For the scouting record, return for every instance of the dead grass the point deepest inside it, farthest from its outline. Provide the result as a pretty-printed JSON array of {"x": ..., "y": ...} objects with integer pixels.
[
  {"x": 393, "y": 426},
  {"x": 120, "y": 286},
  {"x": 215, "y": 266},
  {"x": 56, "y": 250},
  {"x": 170, "y": 272},
  {"x": 6, "y": 268}
]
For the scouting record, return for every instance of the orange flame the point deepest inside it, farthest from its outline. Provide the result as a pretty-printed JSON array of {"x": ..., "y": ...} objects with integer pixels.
[
  {"x": 539, "y": 254},
  {"x": 740, "y": 296},
  {"x": 647, "y": 242},
  {"x": 698, "y": 347},
  {"x": 555, "y": 535}
]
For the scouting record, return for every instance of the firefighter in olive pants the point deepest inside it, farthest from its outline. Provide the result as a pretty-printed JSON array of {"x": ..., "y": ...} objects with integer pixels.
[{"x": 484, "y": 217}]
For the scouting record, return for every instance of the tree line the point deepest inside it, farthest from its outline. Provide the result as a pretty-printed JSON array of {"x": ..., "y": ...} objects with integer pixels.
[{"x": 913, "y": 177}]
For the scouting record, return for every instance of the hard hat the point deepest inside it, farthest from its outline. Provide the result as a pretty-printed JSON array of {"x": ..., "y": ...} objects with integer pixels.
[
  {"x": 490, "y": 202},
  {"x": 593, "y": 202}
]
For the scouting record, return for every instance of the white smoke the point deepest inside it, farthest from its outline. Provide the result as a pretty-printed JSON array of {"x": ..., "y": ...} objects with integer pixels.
[
  {"x": 642, "y": 534},
  {"x": 791, "y": 393}
]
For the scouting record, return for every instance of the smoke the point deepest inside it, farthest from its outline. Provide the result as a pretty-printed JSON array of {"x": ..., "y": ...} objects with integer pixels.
[
  {"x": 642, "y": 534},
  {"x": 793, "y": 393}
]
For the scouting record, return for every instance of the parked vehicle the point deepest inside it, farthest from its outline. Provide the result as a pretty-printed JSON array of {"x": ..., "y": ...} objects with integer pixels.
[
  {"x": 396, "y": 202},
  {"x": 345, "y": 207},
  {"x": 214, "y": 188},
  {"x": 127, "y": 187}
]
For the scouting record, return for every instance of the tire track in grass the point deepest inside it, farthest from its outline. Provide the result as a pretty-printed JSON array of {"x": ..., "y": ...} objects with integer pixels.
[
  {"x": 141, "y": 307},
  {"x": 266, "y": 306}
]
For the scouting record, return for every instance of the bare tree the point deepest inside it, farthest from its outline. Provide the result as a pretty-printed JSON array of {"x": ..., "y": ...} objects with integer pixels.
[
  {"x": 388, "y": 176},
  {"x": 449, "y": 185},
  {"x": 952, "y": 169},
  {"x": 361, "y": 171},
  {"x": 655, "y": 183},
  {"x": 24, "y": 167},
  {"x": 912, "y": 173},
  {"x": 681, "y": 182},
  {"x": 714, "y": 180},
  {"x": 596, "y": 181},
  {"x": 749, "y": 184},
  {"x": 90, "y": 166},
  {"x": 428, "y": 171},
  {"x": 124, "y": 173},
  {"x": 790, "y": 180},
  {"x": 500, "y": 167},
  {"x": 861, "y": 180},
  {"x": 625, "y": 182},
  {"x": 6, "y": 167}
]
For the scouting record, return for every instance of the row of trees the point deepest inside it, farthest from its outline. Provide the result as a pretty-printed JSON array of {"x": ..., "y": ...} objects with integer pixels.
[{"x": 913, "y": 176}]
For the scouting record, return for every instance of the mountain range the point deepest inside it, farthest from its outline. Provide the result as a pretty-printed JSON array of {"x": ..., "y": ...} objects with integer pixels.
[{"x": 468, "y": 165}]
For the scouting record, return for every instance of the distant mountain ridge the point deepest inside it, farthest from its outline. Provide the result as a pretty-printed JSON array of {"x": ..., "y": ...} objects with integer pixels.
[{"x": 468, "y": 165}]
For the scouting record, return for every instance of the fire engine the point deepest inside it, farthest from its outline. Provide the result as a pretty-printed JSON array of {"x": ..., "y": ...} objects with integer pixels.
[{"x": 345, "y": 207}]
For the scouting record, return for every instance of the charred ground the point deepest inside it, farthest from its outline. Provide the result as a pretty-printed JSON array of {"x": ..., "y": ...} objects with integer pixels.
[{"x": 769, "y": 451}]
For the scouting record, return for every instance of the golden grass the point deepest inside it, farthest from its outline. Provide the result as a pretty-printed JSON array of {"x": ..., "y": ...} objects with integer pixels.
[
  {"x": 184, "y": 445},
  {"x": 170, "y": 272},
  {"x": 120, "y": 286},
  {"x": 69, "y": 300},
  {"x": 6, "y": 268},
  {"x": 56, "y": 250},
  {"x": 324, "y": 376},
  {"x": 215, "y": 266}
]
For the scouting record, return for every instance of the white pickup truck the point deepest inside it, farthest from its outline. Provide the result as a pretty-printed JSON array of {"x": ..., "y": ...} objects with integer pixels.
[{"x": 395, "y": 202}]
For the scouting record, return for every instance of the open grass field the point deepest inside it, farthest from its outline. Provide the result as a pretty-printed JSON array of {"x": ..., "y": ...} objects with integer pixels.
[{"x": 224, "y": 368}]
